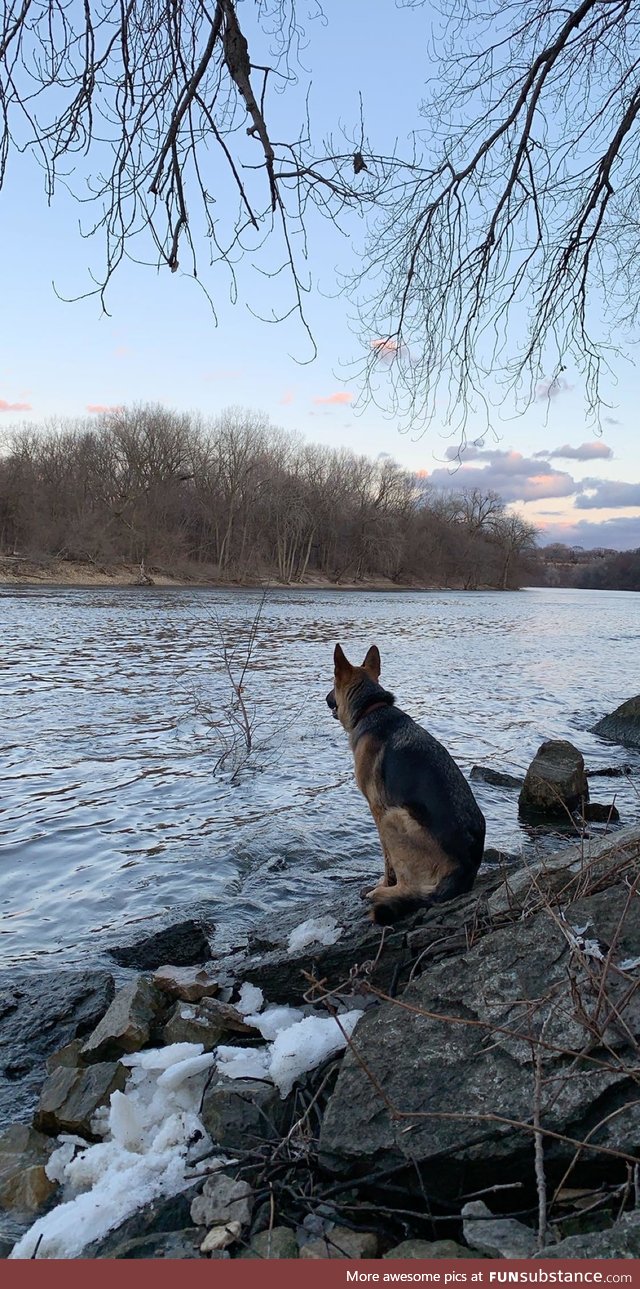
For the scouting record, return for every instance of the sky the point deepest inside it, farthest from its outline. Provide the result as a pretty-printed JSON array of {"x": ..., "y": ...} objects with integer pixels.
[{"x": 161, "y": 342}]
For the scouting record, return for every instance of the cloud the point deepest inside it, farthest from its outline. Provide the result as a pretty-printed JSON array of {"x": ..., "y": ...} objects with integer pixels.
[
  {"x": 585, "y": 452},
  {"x": 609, "y": 494},
  {"x": 287, "y": 397},
  {"x": 618, "y": 534},
  {"x": 513, "y": 476},
  {"x": 99, "y": 408},
  {"x": 547, "y": 389},
  {"x": 611, "y": 420},
  {"x": 14, "y": 407},
  {"x": 342, "y": 396}
]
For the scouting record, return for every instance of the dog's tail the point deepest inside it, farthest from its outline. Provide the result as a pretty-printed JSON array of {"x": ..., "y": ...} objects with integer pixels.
[{"x": 387, "y": 911}]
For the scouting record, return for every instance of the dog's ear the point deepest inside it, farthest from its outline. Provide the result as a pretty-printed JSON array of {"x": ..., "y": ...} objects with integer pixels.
[
  {"x": 372, "y": 662},
  {"x": 341, "y": 664}
]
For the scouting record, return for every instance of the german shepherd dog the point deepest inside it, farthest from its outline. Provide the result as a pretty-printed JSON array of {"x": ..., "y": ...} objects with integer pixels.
[{"x": 430, "y": 826}]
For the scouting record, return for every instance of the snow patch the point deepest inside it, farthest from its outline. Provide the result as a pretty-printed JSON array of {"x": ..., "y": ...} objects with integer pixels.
[
  {"x": 275, "y": 1019},
  {"x": 324, "y": 930},
  {"x": 304, "y": 1046},
  {"x": 243, "y": 1062},
  {"x": 148, "y": 1130}
]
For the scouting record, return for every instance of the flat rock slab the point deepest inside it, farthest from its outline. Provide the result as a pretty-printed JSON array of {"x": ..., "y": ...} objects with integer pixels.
[
  {"x": 622, "y": 1240},
  {"x": 186, "y": 944},
  {"x": 497, "y": 1237},
  {"x": 39, "y": 1014},
  {"x": 24, "y": 1185},
  {"x": 623, "y": 725},
  {"x": 497, "y": 778},
  {"x": 592, "y": 862},
  {"x": 70, "y": 1098},
  {"x": 154, "y": 1222},
  {"x": 127, "y": 1025},
  {"x": 430, "y": 1249},
  {"x": 238, "y": 1113},
  {"x": 190, "y": 984},
  {"x": 208, "y": 1022},
  {"x": 454, "y": 1056}
]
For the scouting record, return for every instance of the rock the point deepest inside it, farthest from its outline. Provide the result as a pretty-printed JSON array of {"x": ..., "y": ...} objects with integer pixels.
[
  {"x": 341, "y": 1242},
  {"x": 188, "y": 983},
  {"x": 461, "y": 1058},
  {"x": 555, "y": 782},
  {"x": 126, "y": 1027},
  {"x": 622, "y": 1240},
  {"x": 280, "y": 1242},
  {"x": 220, "y": 1237},
  {"x": 359, "y": 950},
  {"x": 237, "y": 1113},
  {"x": 70, "y": 1098},
  {"x": 40, "y": 1013},
  {"x": 207, "y": 1023},
  {"x": 154, "y": 1225},
  {"x": 597, "y": 812},
  {"x": 623, "y": 725},
  {"x": 69, "y": 1055},
  {"x": 598, "y": 860},
  {"x": 183, "y": 945},
  {"x": 498, "y": 1237},
  {"x": 222, "y": 1200},
  {"x": 24, "y": 1184},
  {"x": 427, "y": 1249},
  {"x": 496, "y": 778}
]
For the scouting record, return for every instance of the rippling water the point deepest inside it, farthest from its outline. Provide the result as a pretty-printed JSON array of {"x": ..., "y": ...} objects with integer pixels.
[{"x": 112, "y": 811}]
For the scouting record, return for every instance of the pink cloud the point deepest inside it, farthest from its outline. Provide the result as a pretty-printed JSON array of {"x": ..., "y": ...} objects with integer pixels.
[
  {"x": 287, "y": 397},
  {"x": 99, "y": 408},
  {"x": 548, "y": 389},
  {"x": 342, "y": 396},
  {"x": 14, "y": 407}
]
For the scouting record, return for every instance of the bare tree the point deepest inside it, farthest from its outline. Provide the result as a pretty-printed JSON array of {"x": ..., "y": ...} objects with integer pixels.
[
  {"x": 511, "y": 253},
  {"x": 173, "y": 105}
]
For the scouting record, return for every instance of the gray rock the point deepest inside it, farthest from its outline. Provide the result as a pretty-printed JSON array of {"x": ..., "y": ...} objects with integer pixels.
[
  {"x": 555, "y": 782},
  {"x": 207, "y": 1022},
  {"x": 159, "y": 1220},
  {"x": 622, "y": 1240},
  {"x": 40, "y": 1013},
  {"x": 277, "y": 1243},
  {"x": 70, "y": 1098},
  {"x": 222, "y": 1200},
  {"x": 24, "y": 1185},
  {"x": 497, "y": 778},
  {"x": 239, "y": 1112},
  {"x": 460, "y": 1060},
  {"x": 167, "y": 1244},
  {"x": 126, "y": 1026},
  {"x": 598, "y": 812},
  {"x": 610, "y": 772},
  {"x": 341, "y": 1242},
  {"x": 595, "y": 860},
  {"x": 184, "y": 945},
  {"x": 69, "y": 1055},
  {"x": 498, "y": 1237},
  {"x": 430, "y": 1249},
  {"x": 623, "y": 725}
]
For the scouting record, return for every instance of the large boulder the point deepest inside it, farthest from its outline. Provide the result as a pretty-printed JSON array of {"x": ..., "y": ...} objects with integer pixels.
[
  {"x": 555, "y": 783},
  {"x": 39, "y": 1014},
  {"x": 70, "y": 1098},
  {"x": 623, "y": 725},
  {"x": 185, "y": 944},
  {"x": 127, "y": 1025},
  {"x": 446, "y": 1075},
  {"x": 24, "y": 1154}
]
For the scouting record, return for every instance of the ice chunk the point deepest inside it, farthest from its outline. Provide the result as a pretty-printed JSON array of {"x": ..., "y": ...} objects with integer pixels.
[
  {"x": 243, "y": 1062},
  {"x": 275, "y": 1019},
  {"x": 306, "y": 1045},
  {"x": 251, "y": 999},
  {"x": 324, "y": 930}
]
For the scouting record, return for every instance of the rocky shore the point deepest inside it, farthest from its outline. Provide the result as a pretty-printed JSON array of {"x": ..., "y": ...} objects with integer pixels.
[{"x": 466, "y": 1083}]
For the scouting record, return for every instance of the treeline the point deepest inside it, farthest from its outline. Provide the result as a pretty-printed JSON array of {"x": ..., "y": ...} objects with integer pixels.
[
  {"x": 599, "y": 570},
  {"x": 236, "y": 499}
]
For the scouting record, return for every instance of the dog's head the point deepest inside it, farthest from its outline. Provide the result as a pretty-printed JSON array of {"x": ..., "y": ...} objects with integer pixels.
[{"x": 350, "y": 681}]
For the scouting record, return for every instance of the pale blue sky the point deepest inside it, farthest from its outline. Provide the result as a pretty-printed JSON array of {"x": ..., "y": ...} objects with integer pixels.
[{"x": 161, "y": 344}]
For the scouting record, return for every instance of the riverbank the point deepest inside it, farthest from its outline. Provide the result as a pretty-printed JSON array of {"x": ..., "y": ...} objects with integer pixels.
[
  {"x": 18, "y": 571},
  {"x": 295, "y": 1098}
]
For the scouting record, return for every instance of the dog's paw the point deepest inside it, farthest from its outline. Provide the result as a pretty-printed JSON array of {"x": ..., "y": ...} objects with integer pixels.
[{"x": 370, "y": 895}]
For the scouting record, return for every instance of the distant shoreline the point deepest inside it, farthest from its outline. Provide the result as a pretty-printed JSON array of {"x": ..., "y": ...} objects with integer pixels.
[{"x": 15, "y": 571}]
